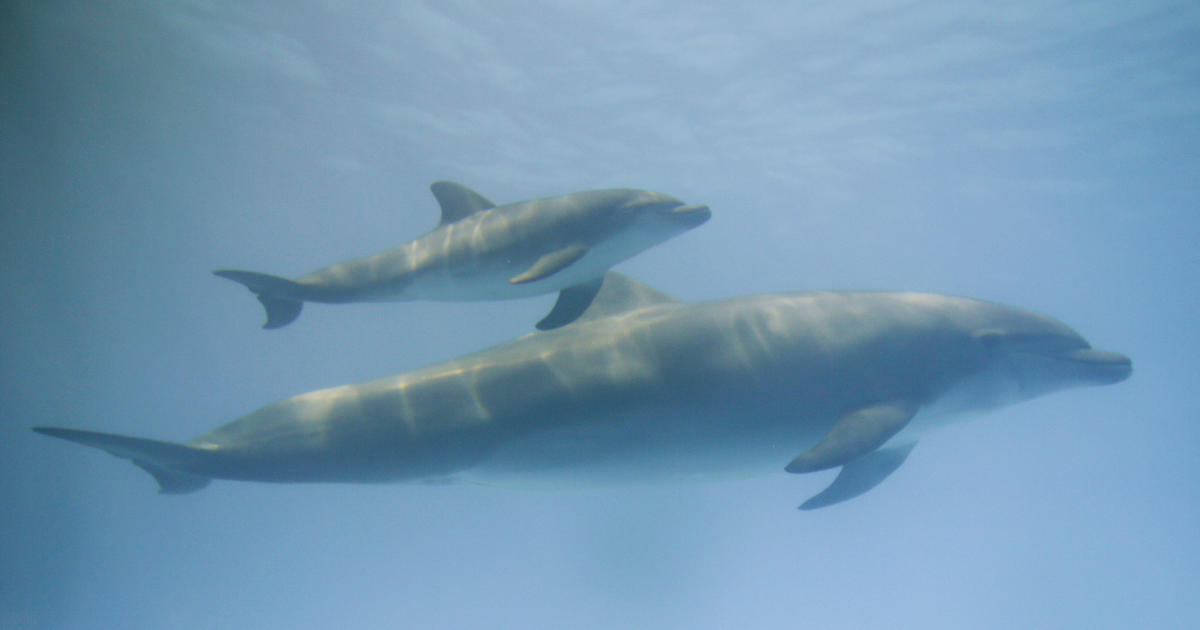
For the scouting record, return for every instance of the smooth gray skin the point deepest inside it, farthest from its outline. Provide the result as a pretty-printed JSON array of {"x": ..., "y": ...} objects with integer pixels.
[
  {"x": 483, "y": 252},
  {"x": 646, "y": 388}
]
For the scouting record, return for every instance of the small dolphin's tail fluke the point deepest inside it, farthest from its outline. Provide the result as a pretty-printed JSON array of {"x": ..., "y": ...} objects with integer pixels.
[
  {"x": 166, "y": 461},
  {"x": 279, "y": 296}
]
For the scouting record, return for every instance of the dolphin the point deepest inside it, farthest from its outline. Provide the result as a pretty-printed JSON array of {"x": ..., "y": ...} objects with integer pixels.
[
  {"x": 643, "y": 387},
  {"x": 480, "y": 251}
]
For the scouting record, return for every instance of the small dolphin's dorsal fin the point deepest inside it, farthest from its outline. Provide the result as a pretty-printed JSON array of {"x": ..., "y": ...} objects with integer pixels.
[
  {"x": 457, "y": 201},
  {"x": 619, "y": 294}
]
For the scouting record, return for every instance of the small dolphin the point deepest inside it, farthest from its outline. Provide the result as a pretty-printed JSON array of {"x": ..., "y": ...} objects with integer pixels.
[
  {"x": 643, "y": 388},
  {"x": 483, "y": 252}
]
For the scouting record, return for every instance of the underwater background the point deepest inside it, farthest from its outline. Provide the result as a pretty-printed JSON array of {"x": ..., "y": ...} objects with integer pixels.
[{"x": 1040, "y": 154}]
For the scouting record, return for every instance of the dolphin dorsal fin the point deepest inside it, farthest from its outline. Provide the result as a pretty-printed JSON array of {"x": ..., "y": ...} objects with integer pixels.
[
  {"x": 458, "y": 201},
  {"x": 619, "y": 294}
]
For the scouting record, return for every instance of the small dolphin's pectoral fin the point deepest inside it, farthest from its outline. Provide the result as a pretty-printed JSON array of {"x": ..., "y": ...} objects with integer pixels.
[
  {"x": 854, "y": 435},
  {"x": 458, "y": 201},
  {"x": 572, "y": 302},
  {"x": 620, "y": 294},
  {"x": 551, "y": 263},
  {"x": 860, "y": 475}
]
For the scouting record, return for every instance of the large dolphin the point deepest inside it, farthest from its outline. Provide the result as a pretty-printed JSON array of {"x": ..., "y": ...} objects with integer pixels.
[
  {"x": 643, "y": 387},
  {"x": 483, "y": 252}
]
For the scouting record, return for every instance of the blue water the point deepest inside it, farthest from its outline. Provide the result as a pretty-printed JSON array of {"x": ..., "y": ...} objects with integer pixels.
[{"x": 1046, "y": 156}]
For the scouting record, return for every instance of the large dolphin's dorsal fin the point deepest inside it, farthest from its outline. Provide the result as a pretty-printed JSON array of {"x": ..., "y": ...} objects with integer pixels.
[
  {"x": 619, "y": 294},
  {"x": 457, "y": 201}
]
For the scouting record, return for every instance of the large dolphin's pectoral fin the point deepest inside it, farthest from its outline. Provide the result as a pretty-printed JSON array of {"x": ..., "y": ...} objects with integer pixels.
[
  {"x": 854, "y": 435},
  {"x": 458, "y": 201},
  {"x": 572, "y": 302},
  {"x": 860, "y": 475},
  {"x": 551, "y": 263}
]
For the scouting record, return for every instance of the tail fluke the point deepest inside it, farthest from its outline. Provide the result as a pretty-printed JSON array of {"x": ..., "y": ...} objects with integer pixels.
[
  {"x": 166, "y": 461},
  {"x": 278, "y": 295}
]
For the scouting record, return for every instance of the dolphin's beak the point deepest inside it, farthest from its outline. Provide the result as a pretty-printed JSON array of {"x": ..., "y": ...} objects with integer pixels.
[
  {"x": 694, "y": 213},
  {"x": 1102, "y": 368}
]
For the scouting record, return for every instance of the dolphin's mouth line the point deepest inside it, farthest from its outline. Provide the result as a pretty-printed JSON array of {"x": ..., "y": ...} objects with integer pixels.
[
  {"x": 691, "y": 214},
  {"x": 1109, "y": 367},
  {"x": 688, "y": 209}
]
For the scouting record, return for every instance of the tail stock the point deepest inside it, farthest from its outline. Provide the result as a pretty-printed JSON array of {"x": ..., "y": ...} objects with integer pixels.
[
  {"x": 165, "y": 461},
  {"x": 278, "y": 295}
]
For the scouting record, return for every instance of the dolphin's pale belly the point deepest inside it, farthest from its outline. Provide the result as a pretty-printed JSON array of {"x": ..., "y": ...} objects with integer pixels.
[
  {"x": 481, "y": 283},
  {"x": 487, "y": 284},
  {"x": 491, "y": 282},
  {"x": 967, "y": 399},
  {"x": 487, "y": 276},
  {"x": 661, "y": 444},
  {"x": 720, "y": 438},
  {"x": 665, "y": 446}
]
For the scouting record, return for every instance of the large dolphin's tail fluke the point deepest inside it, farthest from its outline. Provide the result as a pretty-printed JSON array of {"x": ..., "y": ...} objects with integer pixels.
[
  {"x": 279, "y": 296},
  {"x": 166, "y": 461}
]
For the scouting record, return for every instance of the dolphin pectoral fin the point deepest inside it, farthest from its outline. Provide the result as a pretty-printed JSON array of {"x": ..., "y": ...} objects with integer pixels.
[
  {"x": 860, "y": 475},
  {"x": 279, "y": 296},
  {"x": 854, "y": 435},
  {"x": 458, "y": 201},
  {"x": 572, "y": 302},
  {"x": 620, "y": 294},
  {"x": 551, "y": 264}
]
